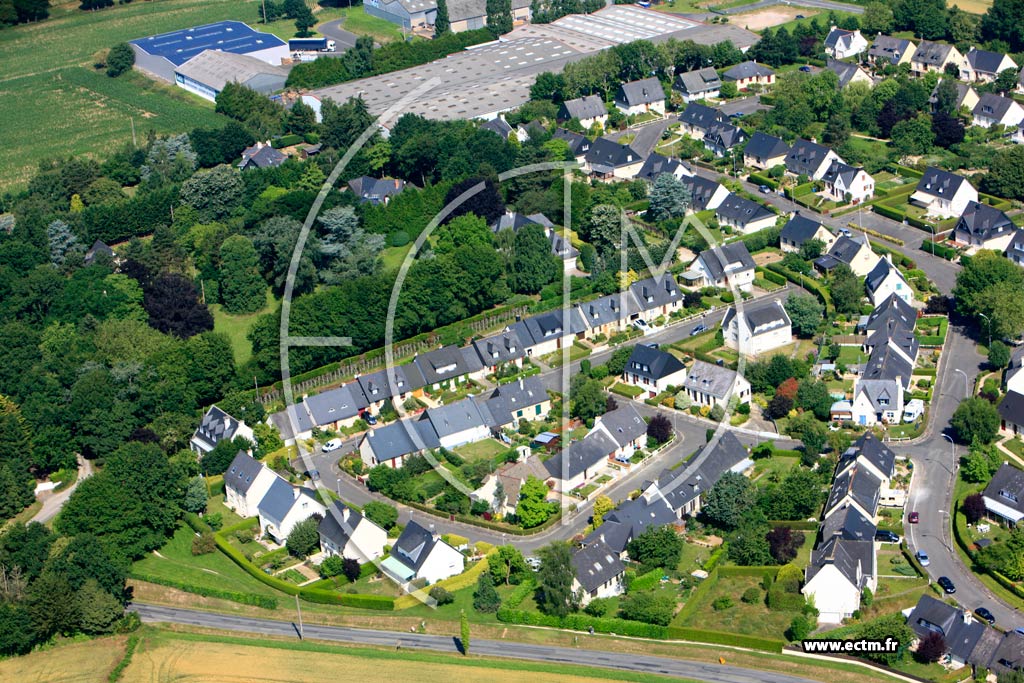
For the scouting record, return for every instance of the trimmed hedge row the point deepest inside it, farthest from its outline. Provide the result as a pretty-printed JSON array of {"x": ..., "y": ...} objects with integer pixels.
[
  {"x": 899, "y": 258},
  {"x": 697, "y": 596},
  {"x": 584, "y": 622},
  {"x": 762, "y": 179},
  {"x": 888, "y": 212},
  {"x": 264, "y": 601},
  {"x": 794, "y": 524},
  {"x": 722, "y": 638},
  {"x": 715, "y": 558},
  {"x": 938, "y": 249},
  {"x": 476, "y": 521},
  {"x": 768, "y": 275},
  {"x": 927, "y": 372},
  {"x": 807, "y": 283},
  {"x": 381, "y": 603},
  {"x": 760, "y": 572},
  {"x": 646, "y": 581}
]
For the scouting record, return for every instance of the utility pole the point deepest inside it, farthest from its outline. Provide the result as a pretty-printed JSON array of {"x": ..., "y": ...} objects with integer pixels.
[
  {"x": 299, "y": 610},
  {"x": 134, "y": 143}
]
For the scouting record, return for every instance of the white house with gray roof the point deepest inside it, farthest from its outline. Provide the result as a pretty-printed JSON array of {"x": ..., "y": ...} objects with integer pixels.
[
  {"x": 841, "y": 43},
  {"x": 800, "y": 229},
  {"x": 848, "y": 73},
  {"x": 525, "y": 399},
  {"x": 838, "y": 573},
  {"x": 398, "y": 382},
  {"x": 745, "y": 215},
  {"x": 215, "y": 427},
  {"x": 698, "y": 84},
  {"x": 760, "y": 327},
  {"x": 888, "y": 50},
  {"x": 984, "y": 66},
  {"x": 995, "y": 110},
  {"x": 984, "y": 227},
  {"x": 704, "y": 193},
  {"x": 391, "y": 444},
  {"x": 548, "y": 332},
  {"x": 458, "y": 423},
  {"x": 967, "y": 639},
  {"x": 886, "y": 280},
  {"x": 657, "y": 295},
  {"x": 810, "y": 159},
  {"x": 942, "y": 193},
  {"x": 503, "y": 348},
  {"x": 697, "y": 118},
  {"x": 764, "y": 151},
  {"x": 337, "y": 408},
  {"x": 588, "y": 109},
  {"x": 345, "y": 532},
  {"x": 419, "y": 553},
  {"x": 449, "y": 365},
  {"x": 729, "y": 265},
  {"x": 610, "y": 160},
  {"x": 721, "y": 138},
  {"x": 616, "y": 434},
  {"x": 627, "y": 430},
  {"x": 846, "y": 184},
  {"x": 1004, "y": 495},
  {"x": 597, "y": 573},
  {"x": 246, "y": 481},
  {"x": 608, "y": 314},
  {"x": 283, "y": 506},
  {"x": 653, "y": 370},
  {"x": 710, "y": 385},
  {"x": 640, "y": 97},
  {"x": 631, "y": 518},
  {"x": 931, "y": 56},
  {"x": 877, "y": 401}
]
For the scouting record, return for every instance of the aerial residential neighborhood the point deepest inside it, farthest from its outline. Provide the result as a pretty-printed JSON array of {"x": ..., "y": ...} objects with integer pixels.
[{"x": 430, "y": 340}]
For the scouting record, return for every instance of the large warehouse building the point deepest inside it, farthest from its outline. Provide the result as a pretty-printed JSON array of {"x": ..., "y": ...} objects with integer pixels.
[{"x": 202, "y": 59}]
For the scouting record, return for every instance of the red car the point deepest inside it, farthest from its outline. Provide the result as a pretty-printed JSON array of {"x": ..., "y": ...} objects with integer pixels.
[{"x": 913, "y": 518}]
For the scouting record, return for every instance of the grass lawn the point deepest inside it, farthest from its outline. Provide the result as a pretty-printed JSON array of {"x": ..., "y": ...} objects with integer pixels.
[
  {"x": 236, "y": 327},
  {"x": 576, "y": 352},
  {"x": 391, "y": 258},
  {"x": 1015, "y": 446},
  {"x": 213, "y": 570},
  {"x": 359, "y": 22},
  {"x": 488, "y": 448},
  {"x": 216, "y": 505},
  {"x": 694, "y": 556},
  {"x": 790, "y": 25},
  {"x": 683, "y": 6},
  {"x": 972, "y": 6},
  {"x": 768, "y": 469},
  {"x": 755, "y": 619},
  {"x": 851, "y": 355},
  {"x": 371, "y": 585},
  {"x": 463, "y": 601},
  {"x": 627, "y": 390},
  {"x": 85, "y": 660},
  {"x": 803, "y": 555}
]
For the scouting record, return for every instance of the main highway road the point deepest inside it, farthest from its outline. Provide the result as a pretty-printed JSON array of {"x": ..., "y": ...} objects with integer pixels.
[{"x": 664, "y": 666}]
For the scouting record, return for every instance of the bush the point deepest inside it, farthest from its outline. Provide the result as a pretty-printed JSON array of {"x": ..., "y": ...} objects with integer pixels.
[
  {"x": 751, "y": 596},
  {"x": 442, "y": 596},
  {"x": 722, "y": 603},
  {"x": 799, "y": 628},
  {"x": 598, "y": 607},
  {"x": 399, "y": 239},
  {"x": 120, "y": 59},
  {"x": 203, "y": 544},
  {"x": 332, "y": 566}
]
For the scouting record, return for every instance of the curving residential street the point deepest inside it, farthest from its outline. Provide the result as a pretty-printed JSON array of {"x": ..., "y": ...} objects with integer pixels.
[{"x": 679, "y": 668}]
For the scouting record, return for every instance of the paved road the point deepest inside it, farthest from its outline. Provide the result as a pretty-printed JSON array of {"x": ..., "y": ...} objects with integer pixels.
[
  {"x": 817, "y": 4},
  {"x": 743, "y": 106},
  {"x": 53, "y": 502},
  {"x": 333, "y": 29},
  {"x": 678, "y": 668},
  {"x": 647, "y": 136}
]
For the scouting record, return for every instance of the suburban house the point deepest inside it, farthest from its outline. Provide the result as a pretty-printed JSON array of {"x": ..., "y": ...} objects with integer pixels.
[
  {"x": 682, "y": 488},
  {"x": 800, "y": 229},
  {"x": 810, "y": 159},
  {"x": 510, "y": 476},
  {"x": 393, "y": 443},
  {"x": 509, "y": 403},
  {"x": 609, "y": 314},
  {"x": 579, "y": 145},
  {"x": 261, "y": 155},
  {"x": 871, "y": 453},
  {"x": 840, "y": 43},
  {"x": 848, "y": 73},
  {"x": 698, "y": 84},
  {"x": 1015, "y": 249},
  {"x": 215, "y": 427},
  {"x": 337, "y": 408},
  {"x": 457, "y": 424},
  {"x": 1014, "y": 378},
  {"x": 744, "y": 215},
  {"x": 966, "y": 96},
  {"x": 888, "y": 50},
  {"x": 588, "y": 109},
  {"x": 657, "y": 295},
  {"x": 983, "y": 66},
  {"x": 931, "y": 56},
  {"x": 725, "y": 266},
  {"x": 705, "y": 193},
  {"x": 580, "y": 461},
  {"x": 758, "y": 328},
  {"x": 419, "y": 553},
  {"x": 626, "y": 428},
  {"x": 697, "y": 118},
  {"x": 631, "y": 518},
  {"x": 598, "y": 572},
  {"x": 710, "y": 385},
  {"x": 943, "y": 194},
  {"x": 746, "y": 74},
  {"x": 560, "y": 247},
  {"x": 1004, "y": 495},
  {"x": 764, "y": 151},
  {"x": 283, "y": 506},
  {"x": 892, "y": 314},
  {"x": 448, "y": 364},
  {"x": 653, "y": 370},
  {"x": 853, "y": 251},
  {"x": 984, "y": 227},
  {"x": 376, "y": 190},
  {"x": 995, "y": 110},
  {"x": 99, "y": 250},
  {"x": 886, "y": 280},
  {"x": 503, "y": 348},
  {"x": 1011, "y": 413},
  {"x": 838, "y": 573},
  {"x": 550, "y": 331},
  {"x": 877, "y": 401},
  {"x": 657, "y": 164},
  {"x": 398, "y": 382},
  {"x": 608, "y": 160},
  {"x": 969, "y": 641},
  {"x": 845, "y": 184},
  {"x": 722, "y": 137},
  {"x": 347, "y": 533},
  {"x": 245, "y": 483},
  {"x": 640, "y": 97},
  {"x": 1008, "y": 657}
]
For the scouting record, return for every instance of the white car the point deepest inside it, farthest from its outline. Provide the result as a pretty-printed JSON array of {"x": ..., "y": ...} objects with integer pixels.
[
  {"x": 332, "y": 445},
  {"x": 641, "y": 325}
]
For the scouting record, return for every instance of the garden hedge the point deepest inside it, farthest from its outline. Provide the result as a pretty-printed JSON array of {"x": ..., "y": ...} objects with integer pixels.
[
  {"x": 768, "y": 275},
  {"x": 476, "y": 521},
  {"x": 376, "y": 602},
  {"x": 762, "y": 179},
  {"x": 264, "y": 601},
  {"x": 715, "y": 557},
  {"x": 888, "y": 212},
  {"x": 760, "y": 572},
  {"x": 646, "y": 581},
  {"x": 927, "y": 372},
  {"x": 722, "y": 638},
  {"x": 937, "y": 249},
  {"x": 794, "y": 524},
  {"x": 697, "y": 596},
  {"x": 806, "y": 282}
]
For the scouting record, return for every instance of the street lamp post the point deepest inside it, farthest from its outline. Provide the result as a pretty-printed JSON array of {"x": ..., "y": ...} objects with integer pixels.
[
  {"x": 989, "y": 321},
  {"x": 967, "y": 392},
  {"x": 952, "y": 447}
]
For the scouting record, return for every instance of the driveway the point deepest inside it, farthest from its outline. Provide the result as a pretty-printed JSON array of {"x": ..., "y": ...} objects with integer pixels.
[
  {"x": 53, "y": 502},
  {"x": 333, "y": 29},
  {"x": 743, "y": 106},
  {"x": 646, "y": 136}
]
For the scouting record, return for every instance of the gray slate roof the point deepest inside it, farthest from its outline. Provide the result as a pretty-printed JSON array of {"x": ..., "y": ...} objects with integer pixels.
[
  {"x": 414, "y": 545},
  {"x": 455, "y": 417},
  {"x": 939, "y": 183},
  {"x": 740, "y": 211},
  {"x": 888, "y": 48},
  {"x": 856, "y": 484},
  {"x": 985, "y": 61},
  {"x": 546, "y": 326},
  {"x": 277, "y": 501},
  {"x": 216, "y": 426},
  {"x": 683, "y": 485},
  {"x": 447, "y": 362},
  {"x": 848, "y": 523},
  {"x": 764, "y": 146},
  {"x": 624, "y": 423},
  {"x": 608, "y": 309},
  {"x": 714, "y": 380},
  {"x": 839, "y": 37},
  {"x": 394, "y": 440},
  {"x": 892, "y": 314},
  {"x": 886, "y": 363},
  {"x": 500, "y": 348},
  {"x": 725, "y": 136},
  {"x": 499, "y": 126},
  {"x": 961, "y": 637},
  {"x": 746, "y": 70},
  {"x": 718, "y": 259},
  {"x": 581, "y": 455},
  {"x": 761, "y": 317},
  {"x": 1007, "y": 480},
  {"x": 596, "y": 565},
  {"x": 698, "y": 82},
  {"x": 605, "y": 155},
  {"x": 870, "y": 448},
  {"x": 656, "y": 291},
  {"x": 261, "y": 156},
  {"x": 845, "y": 249},
  {"x": 702, "y": 116},
  {"x": 507, "y": 399},
  {"x": 805, "y": 157},
  {"x": 578, "y": 144},
  {"x": 377, "y": 386},
  {"x": 983, "y": 222},
  {"x": 656, "y": 164},
  {"x": 1008, "y": 654},
  {"x": 337, "y": 523},
  {"x": 932, "y": 54},
  {"x": 838, "y": 170},
  {"x": 644, "y": 91},
  {"x": 879, "y": 273},
  {"x": 586, "y": 107},
  {"x": 375, "y": 190},
  {"x": 799, "y": 229},
  {"x": 1011, "y": 408},
  {"x": 242, "y": 471},
  {"x": 701, "y": 191},
  {"x": 630, "y": 519},
  {"x": 846, "y": 556},
  {"x": 992, "y": 106},
  {"x": 337, "y": 404},
  {"x": 654, "y": 364}
]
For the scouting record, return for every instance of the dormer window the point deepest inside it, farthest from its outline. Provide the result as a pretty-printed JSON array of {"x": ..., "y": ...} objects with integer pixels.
[{"x": 1008, "y": 495}]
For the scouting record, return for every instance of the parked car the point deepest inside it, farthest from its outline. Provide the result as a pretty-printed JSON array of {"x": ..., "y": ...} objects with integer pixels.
[
  {"x": 765, "y": 189},
  {"x": 370, "y": 418},
  {"x": 946, "y": 585},
  {"x": 800, "y": 16},
  {"x": 806, "y": 69},
  {"x": 914, "y": 517},
  {"x": 332, "y": 445},
  {"x": 886, "y": 536},
  {"x": 641, "y": 325},
  {"x": 845, "y": 232},
  {"x": 697, "y": 330},
  {"x": 983, "y": 613},
  {"x": 534, "y": 563},
  {"x": 922, "y": 557},
  {"x": 313, "y": 475}
]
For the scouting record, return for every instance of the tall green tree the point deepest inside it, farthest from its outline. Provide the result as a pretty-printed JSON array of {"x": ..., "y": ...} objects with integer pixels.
[
  {"x": 533, "y": 509},
  {"x": 304, "y": 538},
  {"x": 728, "y": 500},
  {"x": 1004, "y": 21},
  {"x": 657, "y": 546},
  {"x": 442, "y": 24},
  {"x": 975, "y": 419},
  {"x": 805, "y": 312},
  {"x": 669, "y": 198},
  {"x": 1006, "y": 174},
  {"x": 989, "y": 285},
  {"x": 877, "y": 18},
  {"x": 507, "y": 565},
  {"x": 532, "y": 265},
  {"x": 499, "y": 17},
  {"x": 846, "y": 290},
  {"x": 555, "y": 595},
  {"x": 242, "y": 288}
]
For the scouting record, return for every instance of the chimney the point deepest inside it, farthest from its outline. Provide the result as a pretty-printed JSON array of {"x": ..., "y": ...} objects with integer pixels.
[
  {"x": 602, "y": 537},
  {"x": 369, "y": 433},
  {"x": 433, "y": 534},
  {"x": 521, "y": 387},
  {"x": 968, "y": 617}
]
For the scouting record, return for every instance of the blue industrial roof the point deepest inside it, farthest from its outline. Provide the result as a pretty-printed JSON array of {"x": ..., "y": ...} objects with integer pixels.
[{"x": 228, "y": 36}]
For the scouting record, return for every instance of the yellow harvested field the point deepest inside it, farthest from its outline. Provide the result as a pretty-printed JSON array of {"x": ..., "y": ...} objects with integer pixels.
[
  {"x": 974, "y": 6},
  {"x": 88, "y": 662},
  {"x": 202, "y": 662},
  {"x": 769, "y": 17}
]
